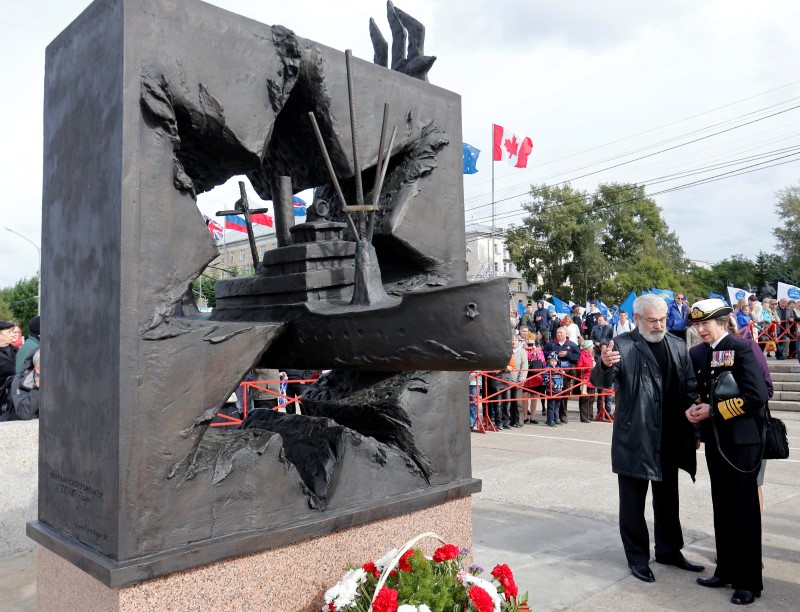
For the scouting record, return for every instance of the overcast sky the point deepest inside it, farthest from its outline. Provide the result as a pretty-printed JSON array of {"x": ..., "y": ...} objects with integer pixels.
[{"x": 594, "y": 83}]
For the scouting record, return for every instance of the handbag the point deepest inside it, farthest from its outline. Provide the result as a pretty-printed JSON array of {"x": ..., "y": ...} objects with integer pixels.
[{"x": 776, "y": 440}]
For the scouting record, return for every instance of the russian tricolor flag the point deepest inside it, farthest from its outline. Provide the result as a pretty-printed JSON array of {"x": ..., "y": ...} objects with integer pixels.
[{"x": 235, "y": 222}]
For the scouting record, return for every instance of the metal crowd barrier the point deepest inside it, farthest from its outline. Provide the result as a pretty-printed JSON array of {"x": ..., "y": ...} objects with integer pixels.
[
  {"x": 262, "y": 385},
  {"x": 572, "y": 378},
  {"x": 774, "y": 332}
]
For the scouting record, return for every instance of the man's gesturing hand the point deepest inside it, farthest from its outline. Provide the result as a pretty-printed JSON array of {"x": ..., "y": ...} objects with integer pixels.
[{"x": 609, "y": 356}]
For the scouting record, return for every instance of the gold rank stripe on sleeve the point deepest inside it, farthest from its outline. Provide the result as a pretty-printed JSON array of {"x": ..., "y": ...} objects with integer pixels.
[{"x": 731, "y": 408}]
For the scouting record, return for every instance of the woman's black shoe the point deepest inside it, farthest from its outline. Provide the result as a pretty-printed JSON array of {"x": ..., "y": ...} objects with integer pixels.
[
  {"x": 712, "y": 582},
  {"x": 742, "y": 597}
]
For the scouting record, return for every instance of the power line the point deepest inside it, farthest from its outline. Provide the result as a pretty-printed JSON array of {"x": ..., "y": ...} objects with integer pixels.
[
  {"x": 667, "y": 149},
  {"x": 667, "y": 177},
  {"x": 707, "y": 180},
  {"x": 655, "y": 129}
]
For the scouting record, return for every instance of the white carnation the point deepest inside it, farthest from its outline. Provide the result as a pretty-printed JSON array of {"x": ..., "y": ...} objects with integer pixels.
[{"x": 343, "y": 593}]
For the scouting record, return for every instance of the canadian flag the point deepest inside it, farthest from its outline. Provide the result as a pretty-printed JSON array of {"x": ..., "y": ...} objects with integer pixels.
[{"x": 510, "y": 147}]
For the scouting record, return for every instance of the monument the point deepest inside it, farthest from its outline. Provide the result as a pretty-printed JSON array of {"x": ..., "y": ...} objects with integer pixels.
[{"x": 147, "y": 104}]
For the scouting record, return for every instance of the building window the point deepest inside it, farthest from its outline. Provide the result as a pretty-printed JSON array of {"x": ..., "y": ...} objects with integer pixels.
[
  {"x": 519, "y": 287},
  {"x": 495, "y": 267},
  {"x": 241, "y": 255},
  {"x": 232, "y": 257}
]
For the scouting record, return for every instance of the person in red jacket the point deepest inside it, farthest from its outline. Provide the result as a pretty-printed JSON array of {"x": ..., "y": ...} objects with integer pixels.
[{"x": 584, "y": 368}]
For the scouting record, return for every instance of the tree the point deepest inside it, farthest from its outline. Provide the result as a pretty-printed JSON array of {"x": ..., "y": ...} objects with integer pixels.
[
  {"x": 737, "y": 271},
  {"x": 22, "y": 301},
  {"x": 581, "y": 246},
  {"x": 559, "y": 242},
  {"x": 648, "y": 269},
  {"x": 788, "y": 232},
  {"x": 697, "y": 283},
  {"x": 5, "y": 311},
  {"x": 207, "y": 286},
  {"x": 771, "y": 268}
]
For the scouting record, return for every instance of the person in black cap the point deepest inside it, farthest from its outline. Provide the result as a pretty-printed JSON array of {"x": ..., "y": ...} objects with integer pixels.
[
  {"x": 590, "y": 317},
  {"x": 732, "y": 394},
  {"x": 8, "y": 353},
  {"x": 527, "y": 318},
  {"x": 31, "y": 344},
  {"x": 652, "y": 438}
]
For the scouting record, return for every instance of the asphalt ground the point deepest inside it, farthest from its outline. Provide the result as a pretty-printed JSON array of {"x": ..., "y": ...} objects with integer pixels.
[{"x": 548, "y": 509}]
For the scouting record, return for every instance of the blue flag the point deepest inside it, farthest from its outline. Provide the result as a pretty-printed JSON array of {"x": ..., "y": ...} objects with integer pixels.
[
  {"x": 520, "y": 308},
  {"x": 470, "y": 155},
  {"x": 717, "y": 295},
  {"x": 667, "y": 295},
  {"x": 603, "y": 308},
  {"x": 627, "y": 305},
  {"x": 561, "y": 307}
]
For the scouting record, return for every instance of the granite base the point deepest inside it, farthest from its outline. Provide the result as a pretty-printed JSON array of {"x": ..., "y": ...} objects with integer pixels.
[{"x": 287, "y": 579}]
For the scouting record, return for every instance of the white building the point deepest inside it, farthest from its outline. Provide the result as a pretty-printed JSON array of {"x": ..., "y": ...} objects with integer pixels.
[
  {"x": 234, "y": 252},
  {"x": 488, "y": 257}
]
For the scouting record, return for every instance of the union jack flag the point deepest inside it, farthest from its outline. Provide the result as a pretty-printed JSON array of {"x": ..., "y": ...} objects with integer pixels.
[{"x": 214, "y": 228}]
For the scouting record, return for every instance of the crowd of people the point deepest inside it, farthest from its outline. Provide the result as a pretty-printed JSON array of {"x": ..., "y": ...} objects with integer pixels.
[
  {"x": 20, "y": 369},
  {"x": 773, "y": 324},
  {"x": 569, "y": 345},
  {"x": 682, "y": 376}
]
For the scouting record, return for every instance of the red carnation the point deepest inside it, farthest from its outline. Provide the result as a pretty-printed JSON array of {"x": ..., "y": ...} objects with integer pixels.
[
  {"x": 445, "y": 553},
  {"x": 404, "y": 565},
  {"x": 481, "y": 599},
  {"x": 386, "y": 601},
  {"x": 371, "y": 568},
  {"x": 506, "y": 580},
  {"x": 331, "y": 606}
]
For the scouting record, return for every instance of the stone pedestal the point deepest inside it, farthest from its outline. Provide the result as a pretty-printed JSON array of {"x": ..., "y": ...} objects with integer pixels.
[{"x": 286, "y": 579}]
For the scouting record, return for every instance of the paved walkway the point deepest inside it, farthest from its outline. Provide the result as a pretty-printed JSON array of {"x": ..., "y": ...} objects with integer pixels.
[{"x": 549, "y": 510}]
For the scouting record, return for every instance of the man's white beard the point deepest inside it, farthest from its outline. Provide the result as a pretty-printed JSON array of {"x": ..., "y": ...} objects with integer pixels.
[{"x": 653, "y": 337}]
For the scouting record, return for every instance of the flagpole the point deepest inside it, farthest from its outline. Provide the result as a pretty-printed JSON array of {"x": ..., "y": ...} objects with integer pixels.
[
  {"x": 492, "y": 242},
  {"x": 224, "y": 252}
]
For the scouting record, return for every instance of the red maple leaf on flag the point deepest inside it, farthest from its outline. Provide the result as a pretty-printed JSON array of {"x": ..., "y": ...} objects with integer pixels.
[{"x": 512, "y": 146}]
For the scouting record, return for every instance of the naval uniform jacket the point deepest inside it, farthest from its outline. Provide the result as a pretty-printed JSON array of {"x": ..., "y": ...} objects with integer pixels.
[
  {"x": 636, "y": 440},
  {"x": 738, "y": 420},
  {"x": 734, "y": 495}
]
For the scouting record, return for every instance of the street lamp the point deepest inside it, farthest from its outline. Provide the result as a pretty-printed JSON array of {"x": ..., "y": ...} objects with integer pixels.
[{"x": 39, "y": 273}]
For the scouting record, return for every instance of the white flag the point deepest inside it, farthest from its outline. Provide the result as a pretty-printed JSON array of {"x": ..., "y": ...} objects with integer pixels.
[
  {"x": 790, "y": 292},
  {"x": 735, "y": 294}
]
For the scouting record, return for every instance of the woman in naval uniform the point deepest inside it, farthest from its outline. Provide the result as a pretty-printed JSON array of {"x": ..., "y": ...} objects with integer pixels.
[{"x": 732, "y": 395}]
